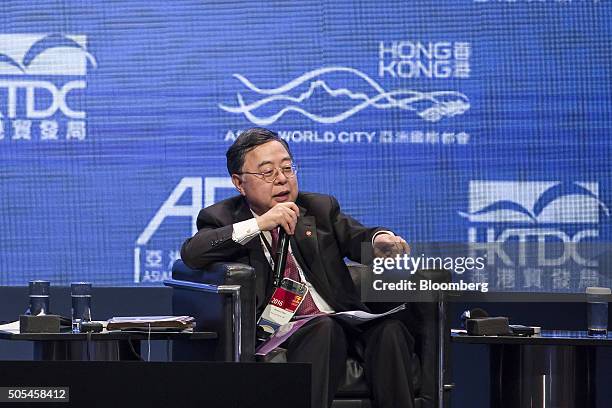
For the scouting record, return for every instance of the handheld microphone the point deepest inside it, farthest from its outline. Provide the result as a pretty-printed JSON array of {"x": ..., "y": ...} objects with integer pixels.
[{"x": 280, "y": 257}]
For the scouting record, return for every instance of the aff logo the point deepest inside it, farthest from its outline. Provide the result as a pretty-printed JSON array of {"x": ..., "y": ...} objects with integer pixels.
[
  {"x": 522, "y": 223},
  {"x": 152, "y": 263},
  {"x": 41, "y": 86}
]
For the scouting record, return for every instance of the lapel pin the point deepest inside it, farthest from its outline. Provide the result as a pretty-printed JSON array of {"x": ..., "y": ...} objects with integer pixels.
[{"x": 308, "y": 233}]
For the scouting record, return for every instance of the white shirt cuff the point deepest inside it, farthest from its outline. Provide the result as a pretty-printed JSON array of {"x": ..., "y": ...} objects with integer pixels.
[
  {"x": 245, "y": 231},
  {"x": 381, "y": 232}
]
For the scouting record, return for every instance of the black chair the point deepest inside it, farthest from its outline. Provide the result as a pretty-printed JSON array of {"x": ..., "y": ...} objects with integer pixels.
[{"x": 222, "y": 299}]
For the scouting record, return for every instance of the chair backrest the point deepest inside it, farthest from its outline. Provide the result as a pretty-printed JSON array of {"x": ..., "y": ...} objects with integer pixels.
[{"x": 423, "y": 320}]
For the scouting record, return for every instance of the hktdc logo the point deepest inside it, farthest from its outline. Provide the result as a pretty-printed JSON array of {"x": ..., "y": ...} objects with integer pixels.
[
  {"x": 42, "y": 97},
  {"x": 522, "y": 223}
]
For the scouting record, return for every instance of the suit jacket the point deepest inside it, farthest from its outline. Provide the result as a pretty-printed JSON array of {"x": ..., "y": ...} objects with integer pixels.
[{"x": 324, "y": 236}]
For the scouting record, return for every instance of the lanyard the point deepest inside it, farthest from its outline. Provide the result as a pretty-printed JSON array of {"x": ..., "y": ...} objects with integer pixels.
[{"x": 268, "y": 247}]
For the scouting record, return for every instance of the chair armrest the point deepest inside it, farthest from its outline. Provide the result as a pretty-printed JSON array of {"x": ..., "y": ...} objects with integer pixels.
[
  {"x": 221, "y": 298},
  {"x": 220, "y": 273},
  {"x": 202, "y": 287}
]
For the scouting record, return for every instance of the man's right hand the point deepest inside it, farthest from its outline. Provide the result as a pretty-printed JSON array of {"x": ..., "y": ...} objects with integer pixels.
[{"x": 283, "y": 214}]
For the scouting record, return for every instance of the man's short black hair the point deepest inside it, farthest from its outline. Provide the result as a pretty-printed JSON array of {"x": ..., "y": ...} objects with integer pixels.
[{"x": 247, "y": 141}]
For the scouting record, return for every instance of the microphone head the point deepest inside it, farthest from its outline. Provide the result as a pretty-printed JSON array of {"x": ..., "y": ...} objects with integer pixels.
[{"x": 476, "y": 313}]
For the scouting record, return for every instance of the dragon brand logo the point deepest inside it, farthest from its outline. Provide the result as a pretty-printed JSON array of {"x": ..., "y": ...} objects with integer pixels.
[{"x": 322, "y": 96}]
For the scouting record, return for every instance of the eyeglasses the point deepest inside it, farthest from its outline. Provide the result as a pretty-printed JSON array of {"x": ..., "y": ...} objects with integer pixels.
[{"x": 269, "y": 175}]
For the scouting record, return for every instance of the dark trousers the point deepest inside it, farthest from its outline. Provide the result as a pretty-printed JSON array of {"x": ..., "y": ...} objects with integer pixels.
[{"x": 386, "y": 348}]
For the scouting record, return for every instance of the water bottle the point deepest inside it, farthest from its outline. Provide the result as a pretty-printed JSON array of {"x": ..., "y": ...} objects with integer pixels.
[
  {"x": 597, "y": 311},
  {"x": 38, "y": 292},
  {"x": 80, "y": 293}
]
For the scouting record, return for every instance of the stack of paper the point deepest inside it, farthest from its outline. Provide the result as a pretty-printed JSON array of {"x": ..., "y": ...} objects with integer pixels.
[{"x": 153, "y": 323}]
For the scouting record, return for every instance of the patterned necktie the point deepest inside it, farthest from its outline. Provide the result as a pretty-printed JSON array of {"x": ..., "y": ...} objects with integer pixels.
[{"x": 308, "y": 305}]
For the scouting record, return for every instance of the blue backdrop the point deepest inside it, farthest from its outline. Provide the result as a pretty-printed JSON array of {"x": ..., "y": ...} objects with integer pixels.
[{"x": 458, "y": 120}]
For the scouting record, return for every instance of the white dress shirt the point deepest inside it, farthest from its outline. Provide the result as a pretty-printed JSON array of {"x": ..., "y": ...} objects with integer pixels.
[{"x": 245, "y": 231}]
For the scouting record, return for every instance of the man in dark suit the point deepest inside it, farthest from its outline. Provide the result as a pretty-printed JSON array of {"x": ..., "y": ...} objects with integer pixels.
[{"x": 245, "y": 229}]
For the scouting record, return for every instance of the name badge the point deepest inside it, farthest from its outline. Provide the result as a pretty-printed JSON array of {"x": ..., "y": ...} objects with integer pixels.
[{"x": 282, "y": 306}]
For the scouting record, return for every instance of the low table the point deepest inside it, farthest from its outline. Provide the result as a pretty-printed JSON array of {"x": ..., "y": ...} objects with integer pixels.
[
  {"x": 553, "y": 369},
  {"x": 104, "y": 346}
]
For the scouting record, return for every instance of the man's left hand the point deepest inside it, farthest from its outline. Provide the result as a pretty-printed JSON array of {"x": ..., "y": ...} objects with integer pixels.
[{"x": 387, "y": 245}]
